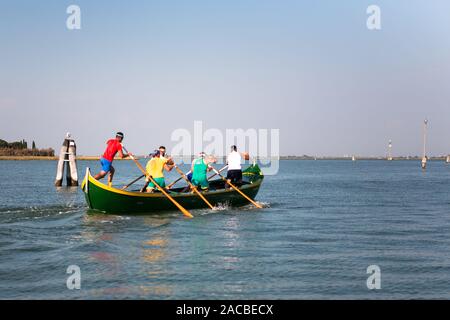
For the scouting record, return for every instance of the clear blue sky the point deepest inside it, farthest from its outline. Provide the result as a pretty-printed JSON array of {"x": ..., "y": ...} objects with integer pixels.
[{"x": 310, "y": 68}]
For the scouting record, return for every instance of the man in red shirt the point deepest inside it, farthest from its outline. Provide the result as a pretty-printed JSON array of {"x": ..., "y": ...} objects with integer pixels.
[{"x": 114, "y": 146}]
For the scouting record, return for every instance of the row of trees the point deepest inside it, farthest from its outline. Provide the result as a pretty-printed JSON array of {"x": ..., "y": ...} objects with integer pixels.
[
  {"x": 20, "y": 148},
  {"x": 17, "y": 144}
]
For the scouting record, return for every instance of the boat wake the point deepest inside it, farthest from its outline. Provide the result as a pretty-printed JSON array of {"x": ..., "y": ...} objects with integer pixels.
[
  {"x": 14, "y": 214},
  {"x": 251, "y": 207},
  {"x": 228, "y": 207}
]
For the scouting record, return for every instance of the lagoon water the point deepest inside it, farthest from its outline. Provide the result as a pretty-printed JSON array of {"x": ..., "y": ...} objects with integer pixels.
[{"x": 325, "y": 223}]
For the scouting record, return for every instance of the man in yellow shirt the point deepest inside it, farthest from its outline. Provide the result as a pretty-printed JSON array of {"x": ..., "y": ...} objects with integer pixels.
[{"x": 155, "y": 168}]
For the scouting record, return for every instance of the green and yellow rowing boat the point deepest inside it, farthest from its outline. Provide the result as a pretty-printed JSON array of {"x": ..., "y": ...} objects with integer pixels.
[{"x": 111, "y": 200}]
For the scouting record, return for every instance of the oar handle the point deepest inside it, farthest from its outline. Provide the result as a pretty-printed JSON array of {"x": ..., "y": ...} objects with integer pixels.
[
  {"x": 135, "y": 180},
  {"x": 215, "y": 174},
  {"x": 170, "y": 185},
  {"x": 125, "y": 149}
]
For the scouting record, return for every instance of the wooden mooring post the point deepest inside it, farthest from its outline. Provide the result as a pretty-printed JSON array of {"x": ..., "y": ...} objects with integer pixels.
[{"x": 68, "y": 162}]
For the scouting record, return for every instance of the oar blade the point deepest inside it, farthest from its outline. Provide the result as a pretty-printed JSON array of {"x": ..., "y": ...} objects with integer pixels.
[{"x": 239, "y": 191}]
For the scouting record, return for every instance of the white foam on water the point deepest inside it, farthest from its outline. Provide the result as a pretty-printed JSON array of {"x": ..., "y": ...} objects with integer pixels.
[
  {"x": 222, "y": 207},
  {"x": 217, "y": 208},
  {"x": 251, "y": 207},
  {"x": 263, "y": 204},
  {"x": 106, "y": 221},
  {"x": 227, "y": 207},
  {"x": 122, "y": 218}
]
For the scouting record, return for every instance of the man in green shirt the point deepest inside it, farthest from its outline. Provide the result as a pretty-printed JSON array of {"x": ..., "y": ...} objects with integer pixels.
[{"x": 199, "y": 169}]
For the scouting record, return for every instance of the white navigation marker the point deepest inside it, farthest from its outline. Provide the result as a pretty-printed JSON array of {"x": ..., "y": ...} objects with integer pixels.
[
  {"x": 424, "y": 156},
  {"x": 390, "y": 151}
]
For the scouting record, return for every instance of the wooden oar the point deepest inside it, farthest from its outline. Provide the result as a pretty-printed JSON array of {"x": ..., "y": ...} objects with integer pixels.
[
  {"x": 135, "y": 180},
  {"x": 170, "y": 185},
  {"x": 235, "y": 188},
  {"x": 179, "y": 206},
  {"x": 192, "y": 186},
  {"x": 215, "y": 174}
]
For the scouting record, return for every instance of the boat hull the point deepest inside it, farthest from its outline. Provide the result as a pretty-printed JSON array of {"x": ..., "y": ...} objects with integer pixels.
[{"x": 106, "y": 199}]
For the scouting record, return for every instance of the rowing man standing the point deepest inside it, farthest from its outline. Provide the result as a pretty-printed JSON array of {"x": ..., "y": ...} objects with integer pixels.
[
  {"x": 234, "y": 160},
  {"x": 114, "y": 146},
  {"x": 199, "y": 169},
  {"x": 155, "y": 168}
]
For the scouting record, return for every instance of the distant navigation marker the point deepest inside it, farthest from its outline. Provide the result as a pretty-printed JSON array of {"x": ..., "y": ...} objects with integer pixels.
[
  {"x": 424, "y": 156},
  {"x": 390, "y": 151},
  {"x": 67, "y": 160}
]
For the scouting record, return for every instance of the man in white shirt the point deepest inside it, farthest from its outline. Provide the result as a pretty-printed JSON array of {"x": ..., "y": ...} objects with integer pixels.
[{"x": 234, "y": 159}]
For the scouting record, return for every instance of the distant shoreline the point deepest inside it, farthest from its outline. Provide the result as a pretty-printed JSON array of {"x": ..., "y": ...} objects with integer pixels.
[
  {"x": 22, "y": 158},
  {"x": 19, "y": 158},
  {"x": 39, "y": 158},
  {"x": 415, "y": 158}
]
